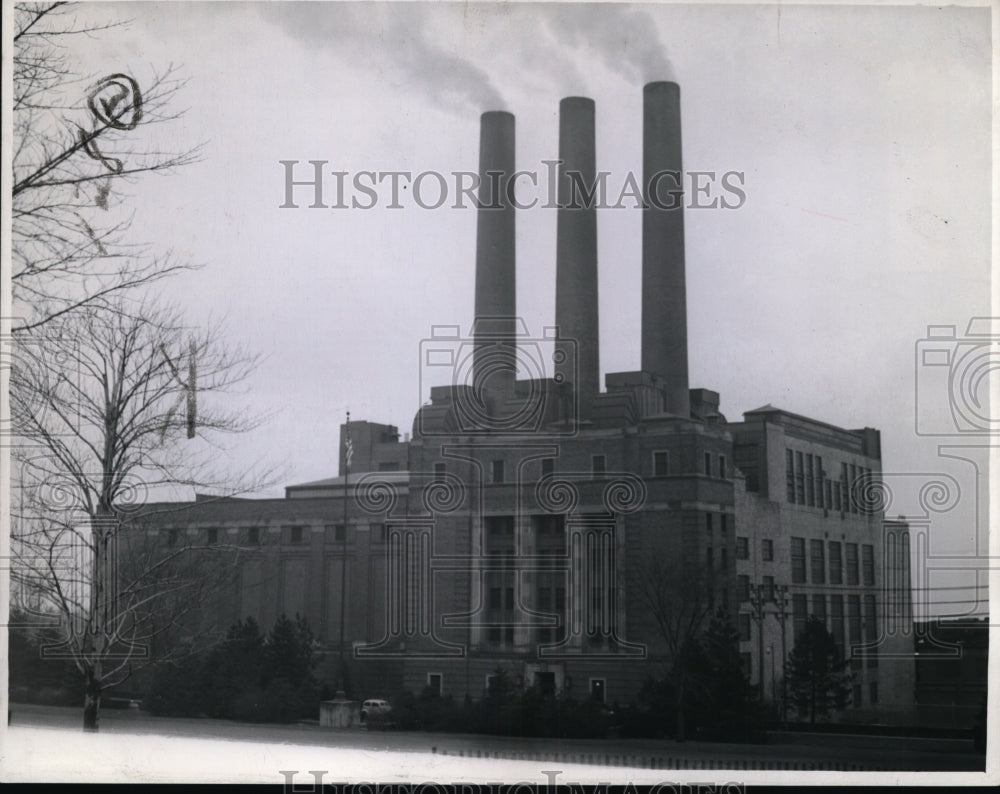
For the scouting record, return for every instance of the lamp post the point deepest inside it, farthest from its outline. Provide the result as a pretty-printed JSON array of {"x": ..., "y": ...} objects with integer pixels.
[
  {"x": 781, "y": 599},
  {"x": 348, "y": 452},
  {"x": 770, "y": 652},
  {"x": 757, "y": 604},
  {"x": 957, "y": 697}
]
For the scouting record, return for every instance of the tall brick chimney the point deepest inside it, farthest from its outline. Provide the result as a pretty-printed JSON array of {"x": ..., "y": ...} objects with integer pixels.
[
  {"x": 494, "y": 357},
  {"x": 576, "y": 252},
  {"x": 664, "y": 303}
]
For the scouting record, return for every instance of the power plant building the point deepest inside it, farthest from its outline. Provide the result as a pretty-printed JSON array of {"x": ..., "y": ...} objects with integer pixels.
[{"x": 527, "y": 521}]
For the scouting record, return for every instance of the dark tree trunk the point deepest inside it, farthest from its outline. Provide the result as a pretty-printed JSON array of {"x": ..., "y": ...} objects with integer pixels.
[
  {"x": 680, "y": 733},
  {"x": 91, "y": 704},
  {"x": 812, "y": 700}
]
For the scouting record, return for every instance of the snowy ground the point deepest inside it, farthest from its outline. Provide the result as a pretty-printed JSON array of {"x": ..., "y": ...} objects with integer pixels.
[{"x": 46, "y": 744}]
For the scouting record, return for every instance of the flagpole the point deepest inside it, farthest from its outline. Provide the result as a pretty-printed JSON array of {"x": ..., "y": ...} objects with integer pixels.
[{"x": 348, "y": 451}]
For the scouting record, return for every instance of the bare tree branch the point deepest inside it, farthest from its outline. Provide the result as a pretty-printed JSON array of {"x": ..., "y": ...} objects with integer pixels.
[
  {"x": 106, "y": 406},
  {"x": 78, "y": 142},
  {"x": 677, "y": 594}
]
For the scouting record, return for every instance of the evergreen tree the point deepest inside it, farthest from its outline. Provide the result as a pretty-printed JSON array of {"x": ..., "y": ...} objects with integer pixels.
[
  {"x": 817, "y": 678},
  {"x": 291, "y": 689},
  {"x": 32, "y": 677},
  {"x": 234, "y": 667},
  {"x": 727, "y": 699},
  {"x": 289, "y": 653}
]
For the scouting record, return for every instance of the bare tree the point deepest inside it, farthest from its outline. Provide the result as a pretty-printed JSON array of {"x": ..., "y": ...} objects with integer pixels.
[
  {"x": 677, "y": 594},
  {"x": 118, "y": 402},
  {"x": 77, "y": 142}
]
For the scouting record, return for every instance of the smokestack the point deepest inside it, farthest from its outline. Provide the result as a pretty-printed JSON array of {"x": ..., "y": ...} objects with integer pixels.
[
  {"x": 664, "y": 304},
  {"x": 576, "y": 252},
  {"x": 494, "y": 359}
]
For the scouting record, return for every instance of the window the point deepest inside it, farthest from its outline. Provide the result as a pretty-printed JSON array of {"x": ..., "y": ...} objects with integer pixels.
[
  {"x": 769, "y": 588},
  {"x": 661, "y": 464},
  {"x": 854, "y": 488},
  {"x": 742, "y": 548},
  {"x": 497, "y": 471},
  {"x": 709, "y": 558},
  {"x": 440, "y": 470},
  {"x": 294, "y": 535},
  {"x": 172, "y": 536},
  {"x": 836, "y": 572},
  {"x": 852, "y": 563},
  {"x": 817, "y": 563},
  {"x": 837, "y": 503},
  {"x": 818, "y": 468},
  {"x": 708, "y": 524},
  {"x": 810, "y": 481},
  {"x": 871, "y": 630},
  {"x": 723, "y": 524},
  {"x": 546, "y": 682},
  {"x": 545, "y": 598},
  {"x": 790, "y": 474},
  {"x": 377, "y": 533},
  {"x": 722, "y": 466},
  {"x": 744, "y": 626},
  {"x": 548, "y": 466},
  {"x": 212, "y": 536},
  {"x": 819, "y": 607},
  {"x": 498, "y": 526},
  {"x": 494, "y": 598},
  {"x": 723, "y": 559},
  {"x": 828, "y": 498},
  {"x": 597, "y": 690},
  {"x": 868, "y": 565},
  {"x": 435, "y": 683},
  {"x": 873, "y": 693},
  {"x": 708, "y": 463},
  {"x": 560, "y": 599},
  {"x": 253, "y": 536},
  {"x": 798, "y": 614},
  {"x": 743, "y": 588},
  {"x": 339, "y": 533},
  {"x": 837, "y": 622},
  {"x": 597, "y": 465},
  {"x": 854, "y": 619},
  {"x": 856, "y": 695},
  {"x": 845, "y": 488},
  {"x": 509, "y": 600},
  {"x": 800, "y": 480},
  {"x": 798, "y": 560},
  {"x": 767, "y": 549},
  {"x": 508, "y": 635},
  {"x": 494, "y": 635},
  {"x": 388, "y": 465}
]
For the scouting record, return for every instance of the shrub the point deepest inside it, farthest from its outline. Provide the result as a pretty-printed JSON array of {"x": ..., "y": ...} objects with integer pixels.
[
  {"x": 246, "y": 677},
  {"x": 176, "y": 690},
  {"x": 404, "y": 711},
  {"x": 249, "y": 706}
]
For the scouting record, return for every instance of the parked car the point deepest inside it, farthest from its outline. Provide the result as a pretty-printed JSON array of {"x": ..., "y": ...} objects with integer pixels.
[{"x": 374, "y": 707}]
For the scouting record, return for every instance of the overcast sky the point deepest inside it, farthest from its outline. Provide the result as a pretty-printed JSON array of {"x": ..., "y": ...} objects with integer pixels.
[{"x": 862, "y": 132}]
